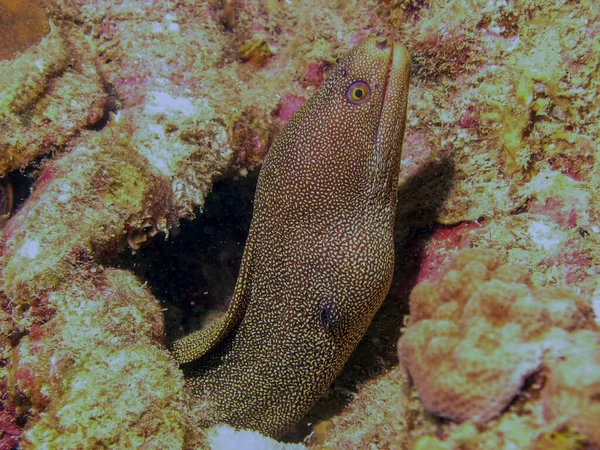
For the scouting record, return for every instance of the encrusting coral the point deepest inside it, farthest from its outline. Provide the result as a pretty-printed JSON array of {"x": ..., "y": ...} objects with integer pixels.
[
  {"x": 384, "y": 412},
  {"x": 87, "y": 342},
  {"x": 48, "y": 95},
  {"x": 84, "y": 205},
  {"x": 572, "y": 394},
  {"x": 551, "y": 329},
  {"x": 507, "y": 89},
  {"x": 124, "y": 395},
  {"x": 476, "y": 334}
]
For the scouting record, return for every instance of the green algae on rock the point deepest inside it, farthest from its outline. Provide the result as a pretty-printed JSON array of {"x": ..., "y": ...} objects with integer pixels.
[
  {"x": 48, "y": 95},
  {"x": 98, "y": 371},
  {"x": 69, "y": 316},
  {"x": 504, "y": 87},
  {"x": 38, "y": 255}
]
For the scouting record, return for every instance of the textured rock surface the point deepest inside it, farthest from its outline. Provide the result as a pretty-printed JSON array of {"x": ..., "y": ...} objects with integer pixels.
[
  {"x": 474, "y": 335},
  {"x": 97, "y": 371},
  {"x": 550, "y": 329},
  {"x": 48, "y": 95},
  {"x": 572, "y": 394},
  {"x": 501, "y": 149}
]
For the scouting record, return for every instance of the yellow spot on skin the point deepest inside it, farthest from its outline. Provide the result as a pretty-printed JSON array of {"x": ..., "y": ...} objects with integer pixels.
[{"x": 319, "y": 258}]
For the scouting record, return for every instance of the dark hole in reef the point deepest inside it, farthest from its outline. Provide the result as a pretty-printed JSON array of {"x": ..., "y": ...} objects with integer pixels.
[
  {"x": 15, "y": 188},
  {"x": 193, "y": 272},
  {"x": 22, "y": 181}
]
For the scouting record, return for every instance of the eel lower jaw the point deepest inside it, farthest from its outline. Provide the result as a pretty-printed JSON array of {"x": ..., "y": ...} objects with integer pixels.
[
  {"x": 392, "y": 120},
  {"x": 393, "y": 109},
  {"x": 395, "y": 90}
]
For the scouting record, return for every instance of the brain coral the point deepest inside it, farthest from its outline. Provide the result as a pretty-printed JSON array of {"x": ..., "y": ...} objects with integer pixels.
[{"x": 478, "y": 332}]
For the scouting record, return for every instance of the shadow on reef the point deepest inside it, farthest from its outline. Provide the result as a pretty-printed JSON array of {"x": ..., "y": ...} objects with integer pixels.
[
  {"x": 420, "y": 200},
  {"x": 195, "y": 269}
]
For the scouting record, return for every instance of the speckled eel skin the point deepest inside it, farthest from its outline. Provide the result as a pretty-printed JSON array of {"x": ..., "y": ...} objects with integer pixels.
[{"x": 319, "y": 257}]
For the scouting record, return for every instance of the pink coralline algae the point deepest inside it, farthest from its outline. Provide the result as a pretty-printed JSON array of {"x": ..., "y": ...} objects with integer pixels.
[
  {"x": 315, "y": 74},
  {"x": 10, "y": 430},
  {"x": 287, "y": 106}
]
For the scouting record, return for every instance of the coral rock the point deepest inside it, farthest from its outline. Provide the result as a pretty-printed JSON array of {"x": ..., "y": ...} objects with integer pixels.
[
  {"x": 23, "y": 25},
  {"x": 474, "y": 336},
  {"x": 572, "y": 394}
]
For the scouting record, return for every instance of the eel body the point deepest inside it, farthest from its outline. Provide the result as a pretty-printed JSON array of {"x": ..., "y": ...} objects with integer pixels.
[{"x": 319, "y": 258}]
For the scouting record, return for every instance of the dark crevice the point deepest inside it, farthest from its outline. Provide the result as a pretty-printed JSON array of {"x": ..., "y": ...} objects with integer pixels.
[
  {"x": 15, "y": 189},
  {"x": 22, "y": 181},
  {"x": 194, "y": 270}
]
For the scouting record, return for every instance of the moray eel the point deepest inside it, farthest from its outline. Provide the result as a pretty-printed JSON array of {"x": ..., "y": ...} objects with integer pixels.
[{"x": 319, "y": 258}]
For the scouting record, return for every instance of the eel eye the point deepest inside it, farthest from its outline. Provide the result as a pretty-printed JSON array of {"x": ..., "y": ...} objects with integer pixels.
[{"x": 358, "y": 92}]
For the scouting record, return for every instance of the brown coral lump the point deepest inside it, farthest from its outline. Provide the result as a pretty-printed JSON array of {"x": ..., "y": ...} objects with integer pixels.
[{"x": 23, "y": 24}]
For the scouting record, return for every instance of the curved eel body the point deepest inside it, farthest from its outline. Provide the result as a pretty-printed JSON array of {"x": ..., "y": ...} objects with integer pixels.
[{"x": 319, "y": 258}]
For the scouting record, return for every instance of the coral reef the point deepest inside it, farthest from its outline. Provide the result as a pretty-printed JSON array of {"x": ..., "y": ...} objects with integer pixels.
[
  {"x": 48, "y": 95},
  {"x": 10, "y": 425},
  {"x": 139, "y": 106},
  {"x": 384, "y": 413},
  {"x": 169, "y": 127},
  {"x": 86, "y": 335},
  {"x": 502, "y": 88},
  {"x": 120, "y": 395},
  {"x": 554, "y": 407},
  {"x": 570, "y": 398},
  {"x": 476, "y": 334},
  {"x": 82, "y": 205}
]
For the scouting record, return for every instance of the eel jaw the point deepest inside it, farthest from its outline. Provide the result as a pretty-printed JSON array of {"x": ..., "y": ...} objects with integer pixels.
[
  {"x": 392, "y": 119},
  {"x": 395, "y": 92}
]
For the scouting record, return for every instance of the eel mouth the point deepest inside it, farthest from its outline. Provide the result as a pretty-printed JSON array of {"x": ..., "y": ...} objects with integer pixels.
[
  {"x": 392, "y": 119},
  {"x": 395, "y": 92},
  {"x": 388, "y": 71}
]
